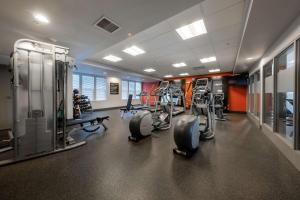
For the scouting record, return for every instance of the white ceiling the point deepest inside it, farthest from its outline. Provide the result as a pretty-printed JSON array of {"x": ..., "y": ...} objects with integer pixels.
[
  {"x": 267, "y": 21},
  {"x": 72, "y": 21},
  {"x": 164, "y": 47},
  {"x": 152, "y": 25}
]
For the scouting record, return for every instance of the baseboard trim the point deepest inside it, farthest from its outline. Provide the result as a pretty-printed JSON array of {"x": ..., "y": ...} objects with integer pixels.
[
  {"x": 290, "y": 153},
  {"x": 238, "y": 112},
  {"x": 110, "y": 108}
]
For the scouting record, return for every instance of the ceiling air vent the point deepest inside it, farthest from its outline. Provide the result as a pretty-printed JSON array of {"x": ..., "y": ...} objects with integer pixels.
[
  {"x": 107, "y": 24},
  {"x": 199, "y": 68}
]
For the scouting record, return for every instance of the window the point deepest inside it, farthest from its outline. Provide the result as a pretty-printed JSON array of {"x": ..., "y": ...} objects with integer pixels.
[
  {"x": 92, "y": 86},
  {"x": 88, "y": 86},
  {"x": 124, "y": 89},
  {"x": 131, "y": 87},
  {"x": 138, "y": 89},
  {"x": 254, "y": 94},
  {"x": 251, "y": 99},
  {"x": 76, "y": 81},
  {"x": 100, "y": 88},
  {"x": 257, "y": 93},
  {"x": 285, "y": 77},
  {"x": 268, "y": 115}
]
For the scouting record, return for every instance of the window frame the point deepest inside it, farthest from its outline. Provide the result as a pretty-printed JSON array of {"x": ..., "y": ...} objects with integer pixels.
[
  {"x": 272, "y": 63},
  {"x": 297, "y": 95},
  {"x": 275, "y": 74}
]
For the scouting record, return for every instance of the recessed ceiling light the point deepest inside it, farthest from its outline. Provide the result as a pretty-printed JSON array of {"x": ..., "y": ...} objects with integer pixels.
[
  {"x": 112, "y": 58},
  {"x": 134, "y": 51},
  {"x": 220, "y": 91},
  {"x": 168, "y": 76},
  {"x": 250, "y": 58},
  {"x": 41, "y": 18},
  {"x": 182, "y": 64},
  {"x": 192, "y": 30},
  {"x": 214, "y": 70},
  {"x": 149, "y": 70},
  {"x": 184, "y": 74},
  {"x": 218, "y": 84},
  {"x": 207, "y": 60}
]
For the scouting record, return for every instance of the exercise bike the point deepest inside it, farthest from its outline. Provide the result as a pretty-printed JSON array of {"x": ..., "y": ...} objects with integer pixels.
[
  {"x": 145, "y": 122},
  {"x": 189, "y": 129}
]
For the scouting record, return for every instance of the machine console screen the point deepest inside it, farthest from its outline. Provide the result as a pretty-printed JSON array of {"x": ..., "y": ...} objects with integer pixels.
[
  {"x": 202, "y": 82},
  {"x": 164, "y": 84}
]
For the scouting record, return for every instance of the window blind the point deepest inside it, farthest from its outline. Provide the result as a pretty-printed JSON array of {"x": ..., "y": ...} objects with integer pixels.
[
  {"x": 100, "y": 88},
  {"x": 88, "y": 86}
]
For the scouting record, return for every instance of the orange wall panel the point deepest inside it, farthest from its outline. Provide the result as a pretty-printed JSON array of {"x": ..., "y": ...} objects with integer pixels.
[
  {"x": 237, "y": 98},
  {"x": 148, "y": 87}
]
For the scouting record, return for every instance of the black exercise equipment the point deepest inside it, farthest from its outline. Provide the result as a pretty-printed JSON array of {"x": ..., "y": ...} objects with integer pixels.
[
  {"x": 140, "y": 126},
  {"x": 131, "y": 108},
  {"x": 190, "y": 128},
  {"x": 219, "y": 106},
  {"x": 86, "y": 125},
  {"x": 186, "y": 135},
  {"x": 178, "y": 95},
  {"x": 145, "y": 122}
]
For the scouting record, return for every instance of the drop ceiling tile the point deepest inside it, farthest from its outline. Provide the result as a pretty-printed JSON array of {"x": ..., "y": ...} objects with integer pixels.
[
  {"x": 210, "y": 7},
  {"x": 204, "y": 51},
  {"x": 196, "y": 42},
  {"x": 152, "y": 32},
  {"x": 226, "y": 17},
  {"x": 160, "y": 42},
  {"x": 225, "y": 44},
  {"x": 186, "y": 17},
  {"x": 229, "y": 32},
  {"x": 226, "y": 52}
]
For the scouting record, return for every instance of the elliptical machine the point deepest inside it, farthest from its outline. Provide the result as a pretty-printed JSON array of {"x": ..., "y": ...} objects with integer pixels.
[
  {"x": 145, "y": 122},
  {"x": 219, "y": 106},
  {"x": 200, "y": 124}
]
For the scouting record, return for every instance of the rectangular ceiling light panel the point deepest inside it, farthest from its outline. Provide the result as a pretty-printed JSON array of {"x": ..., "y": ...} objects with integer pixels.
[
  {"x": 214, "y": 70},
  {"x": 192, "y": 30},
  {"x": 149, "y": 70},
  {"x": 168, "y": 76},
  {"x": 184, "y": 74},
  {"x": 177, "y": 65},
  {"x": 134, "y": 51},
  {"x": 112, "y": 58},
  {"x": 208, "y": 60}
]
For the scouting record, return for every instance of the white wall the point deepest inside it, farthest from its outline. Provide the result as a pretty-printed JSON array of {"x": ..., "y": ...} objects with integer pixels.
[
  {"x": 112, "y": 100},
  {"x": 5, "y": 99}
]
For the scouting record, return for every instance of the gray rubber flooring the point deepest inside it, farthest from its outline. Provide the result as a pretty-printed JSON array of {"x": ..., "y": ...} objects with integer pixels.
[{"x": 241, "y": 163}]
